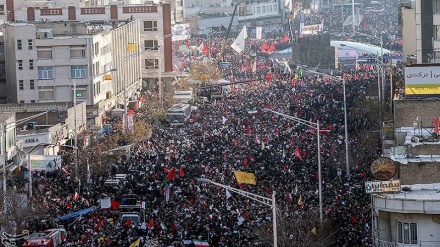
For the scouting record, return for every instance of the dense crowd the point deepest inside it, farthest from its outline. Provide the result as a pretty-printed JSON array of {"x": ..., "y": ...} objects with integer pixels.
[{"x": 234, "y": 134}]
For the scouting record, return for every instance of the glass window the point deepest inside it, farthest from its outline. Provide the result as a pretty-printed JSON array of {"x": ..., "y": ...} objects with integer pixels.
[
  {"x": 151, "y": 64},
  {"x": 21, "y": 84},
  {"x": 436, "y": 6},
  {"x": 81, "y": 92},
  {"x": 151, "y": 44},
  {"x": 46, "y": 93},
  {"x": 31, "y": 64},
  {"x": 45, "y": 72},
  {"x": 78, "y": 71},
  {"x": 19, "y": 44},
  {"x": 2, "y": 9},
  {"x": 77, "y": 51},
  {"x": 44, "y": 52},
  {"x": 407, "y": 232},
  {"x": 30, "y": 44},
  {"x": 150, "y": 25},
  {"x": 20, "y": 64},
  {"x": 32, "y": 84}
]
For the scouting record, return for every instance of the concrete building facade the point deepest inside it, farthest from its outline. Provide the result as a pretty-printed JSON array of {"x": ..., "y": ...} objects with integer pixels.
[{"x": 46, "y": 66}]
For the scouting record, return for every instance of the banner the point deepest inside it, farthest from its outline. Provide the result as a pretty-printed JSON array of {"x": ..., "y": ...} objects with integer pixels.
[
  {"x": 42, "y": 162},
  {"x": 310, "y": 29},
  {"x": 245, "y": 178},
  {"x": 259, "y": 31},
  {"x": 422, "y": 80},
  {"x": 382, "y": 186},
  {"x": 181, "y": 32}
]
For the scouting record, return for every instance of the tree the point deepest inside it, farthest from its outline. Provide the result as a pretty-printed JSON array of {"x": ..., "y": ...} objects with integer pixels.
[{"x": 297, "y": 228}]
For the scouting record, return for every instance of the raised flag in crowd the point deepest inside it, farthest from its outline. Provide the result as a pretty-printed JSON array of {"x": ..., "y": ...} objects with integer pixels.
[{"x": 239, "y": 42}]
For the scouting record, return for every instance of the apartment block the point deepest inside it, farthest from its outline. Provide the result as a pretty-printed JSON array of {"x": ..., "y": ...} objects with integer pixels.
[{"x": 54, "y": 61}]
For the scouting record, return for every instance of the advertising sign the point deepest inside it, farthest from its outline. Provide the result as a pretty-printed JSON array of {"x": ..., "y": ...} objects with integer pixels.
[
  {"x": 43, "y": 162},
  {"x": 347, "y": 53},
  {"x": 310, "y": 29},
  {"x": 382, "y": 186},
  {"x": 421, "y": 81},
  {"x": 181, "y": 32}
]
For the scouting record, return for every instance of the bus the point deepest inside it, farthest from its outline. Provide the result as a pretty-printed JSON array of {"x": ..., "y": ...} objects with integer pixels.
[{"x": 178, "y": 114}]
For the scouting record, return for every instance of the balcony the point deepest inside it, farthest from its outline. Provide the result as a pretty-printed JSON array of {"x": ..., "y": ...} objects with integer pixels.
[{"x": 419, "y": 244}]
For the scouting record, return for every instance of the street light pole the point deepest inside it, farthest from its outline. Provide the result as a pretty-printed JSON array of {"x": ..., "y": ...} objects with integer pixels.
[
  {"x": 315, "y": 126},
  {"x": 347, "y": 158},
  {"x": 5, "y": 156},
  {"x": 261, "y": 199}
]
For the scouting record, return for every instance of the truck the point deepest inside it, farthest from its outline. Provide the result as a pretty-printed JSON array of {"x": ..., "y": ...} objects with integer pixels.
[{"x": 48, "y": 238}]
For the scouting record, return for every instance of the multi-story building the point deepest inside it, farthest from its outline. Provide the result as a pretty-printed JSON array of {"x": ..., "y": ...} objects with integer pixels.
[
  {"x": 59, "y": 59},
  {"x": 420, "y": 25},
  {"x": 411, "y": 217},
  {"x": 154, "y": 45}
]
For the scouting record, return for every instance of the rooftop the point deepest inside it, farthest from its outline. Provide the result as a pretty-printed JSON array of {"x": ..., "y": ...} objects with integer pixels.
[{"x": 420, "y": 192}]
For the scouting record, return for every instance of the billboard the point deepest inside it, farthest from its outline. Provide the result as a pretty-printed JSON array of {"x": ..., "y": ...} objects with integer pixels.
[
  {"x": 422, "y": 80},
  {"x": 310, "y": 29},
  {"x": 42, "y": 162},
  {"x": 382, "y": 186},
  {"x": 181, "y": 32},
  {"x": 347, "y": 53}
]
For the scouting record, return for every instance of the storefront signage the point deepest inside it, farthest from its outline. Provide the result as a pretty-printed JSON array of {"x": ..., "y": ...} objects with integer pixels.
[
  {"x": 31, "y": 140},
  {"x": 382, "y": 186}
]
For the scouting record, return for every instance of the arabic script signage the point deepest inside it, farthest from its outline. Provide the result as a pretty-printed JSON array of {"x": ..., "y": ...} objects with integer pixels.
[
  {"x": 382, "y": 186},
  {"x": 422, "y": 80}
]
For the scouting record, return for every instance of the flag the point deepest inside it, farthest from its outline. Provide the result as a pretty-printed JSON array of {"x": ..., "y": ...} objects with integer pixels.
[
  {"x": 258, "y": 33},
  {"x": 228, "y": 194},
  {"x": 150, "y": 224},
  {"x": 201, "y": 47},
  {"x": 299, "y": 72},
  {"x": 224, "y": 120},
  {"x": 436, "y": 124},
  {"x": 313, "y": 231},
  {"x": 200, "y": 243},
  {"x": 298, "y": 153},
  {"x": 136, "y": 243},
  {"x": 163, "y": 226},
  {"x": 254, "y": 66},
  {"x": 75, "y": 196},
  {"x": 171, "y": 174},
  {"x": 167, "y": 193},
  {"x": 239, "y": 42},
  {"x": 300, "y": 201},
  {"x": 181, "y": 173},
  {"x": 245, "y": 178}
]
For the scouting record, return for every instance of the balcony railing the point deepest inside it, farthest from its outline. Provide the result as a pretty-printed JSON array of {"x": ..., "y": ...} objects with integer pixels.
[{"x": 382, "y": 243}]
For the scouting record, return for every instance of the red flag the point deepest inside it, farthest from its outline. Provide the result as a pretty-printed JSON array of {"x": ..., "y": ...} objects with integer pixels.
[
  {"x": 271, "y": 47},
  {"x": 285, "y": 39},
  {"x": 298, "y": 153},
  {"x": 127, "y": 223},
  {"x": 115, "y": 204},
  {"x": 436, "y": 124},
  {"x": 264, "y": 47},
  {"x": 181, "y": 173},
  {"x": 188, "y": 43},
  {"x": 171, "y": 174},
  {"x": 150, "y": 224},
  {"x": 268, "y": 76},
  {"x": 166, "y": 170}
]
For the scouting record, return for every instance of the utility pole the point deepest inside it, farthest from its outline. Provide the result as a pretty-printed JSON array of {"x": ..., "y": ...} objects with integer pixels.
[{"x": 5, "y": 156}]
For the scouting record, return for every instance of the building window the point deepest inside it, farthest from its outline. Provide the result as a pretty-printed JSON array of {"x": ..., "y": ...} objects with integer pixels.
[
  {"x": 81, "y": 92},
  {"x": 30, "y": 44},
  {"x": 77, "y": 51},
  {"x": 46, "y": 93},
  {"x": 21, "y": 101},
  {"x": 32, "y": 101},
  {"x": 436, "y": 6},
  {"x": 31, "y": 64},
  {"x": 21, "y": 84},
  {"x": 96, "y": 48},
  {"x": 151, "y": 63},
  {"x": 2, "y": 9},
  {"x": 151, "y": 44},
  {"x": 20, "y": 64},
  {"x": 78, "y": 71},
  {"x": 19, "y": 44},
  {"x": 150, "y": 26},
  {"x": 407, "y": 232},
  {"x": 32, "y": 84},
  {"x": 45, "y": 72},
  {"x": 44, "y": 52}
]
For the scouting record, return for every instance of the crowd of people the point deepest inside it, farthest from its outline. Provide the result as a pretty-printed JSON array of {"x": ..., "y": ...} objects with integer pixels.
[{"x": 230, "y": 134}]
